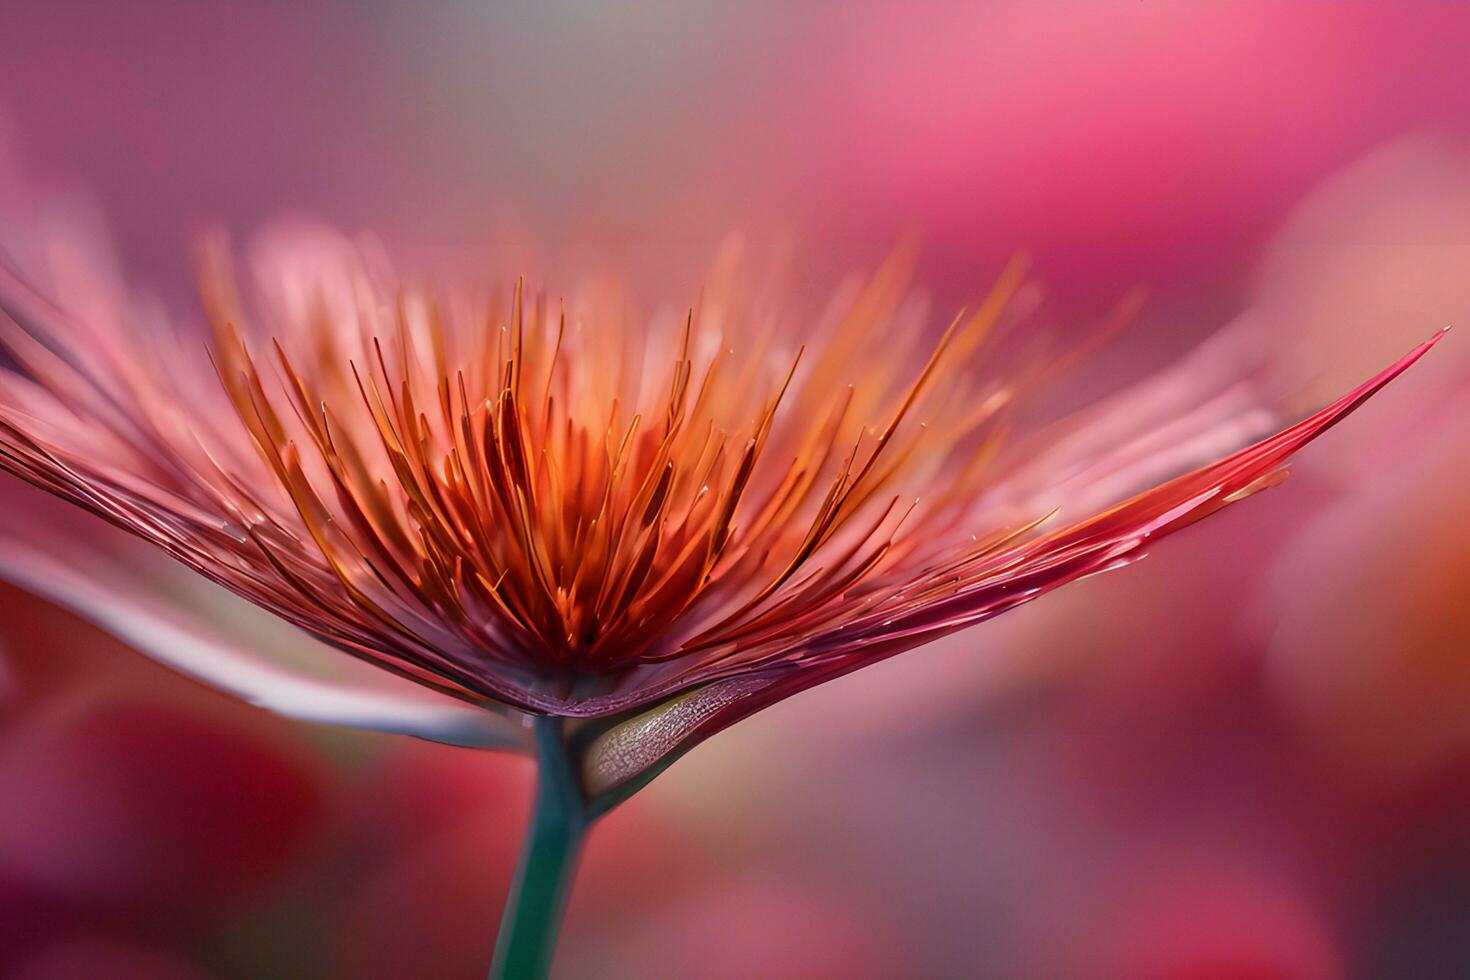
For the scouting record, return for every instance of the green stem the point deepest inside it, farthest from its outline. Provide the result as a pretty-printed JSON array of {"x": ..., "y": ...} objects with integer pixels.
[{"x": 538, "y": 897}]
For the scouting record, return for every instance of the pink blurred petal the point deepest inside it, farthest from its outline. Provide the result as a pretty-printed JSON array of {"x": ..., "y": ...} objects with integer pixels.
[
  {"x": 222, "y": 641},
  {"x": 1379, "y": 579},
  {"x": 1365, "y": 263}
]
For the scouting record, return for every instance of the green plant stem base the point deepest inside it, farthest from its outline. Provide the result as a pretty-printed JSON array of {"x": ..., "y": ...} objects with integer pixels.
[{"x": 538, "y": 897}]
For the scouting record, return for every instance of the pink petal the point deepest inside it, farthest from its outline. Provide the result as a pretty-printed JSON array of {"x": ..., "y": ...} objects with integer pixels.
[{"x": 185, "y": 622}]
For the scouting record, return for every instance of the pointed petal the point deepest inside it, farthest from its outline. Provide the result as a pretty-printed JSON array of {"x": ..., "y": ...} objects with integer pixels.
[
  {"x": 199, "y": 629},
  {"x": 629, "y": 754}
]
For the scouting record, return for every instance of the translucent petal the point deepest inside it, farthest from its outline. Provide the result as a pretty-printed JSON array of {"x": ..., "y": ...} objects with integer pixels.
[{"x": 197, "y": 628}]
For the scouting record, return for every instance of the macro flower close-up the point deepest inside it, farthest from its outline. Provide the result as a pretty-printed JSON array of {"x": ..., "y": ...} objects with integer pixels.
[{"x": 554, "y": 491}]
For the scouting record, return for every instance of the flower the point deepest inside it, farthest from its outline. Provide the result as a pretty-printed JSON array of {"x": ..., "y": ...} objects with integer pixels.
[{"x": 525, "y": 506}]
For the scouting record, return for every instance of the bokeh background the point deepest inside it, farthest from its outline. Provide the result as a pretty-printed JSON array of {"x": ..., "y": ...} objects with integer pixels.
[{"x": 1247, "y": 756}]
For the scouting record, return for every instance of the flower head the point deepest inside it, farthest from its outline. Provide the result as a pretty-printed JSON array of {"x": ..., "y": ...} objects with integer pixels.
[{"x": 556, "y": 507}]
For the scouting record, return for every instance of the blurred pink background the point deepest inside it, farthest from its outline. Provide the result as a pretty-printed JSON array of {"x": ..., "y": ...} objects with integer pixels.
[{"x": 1246, "y": 756}]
